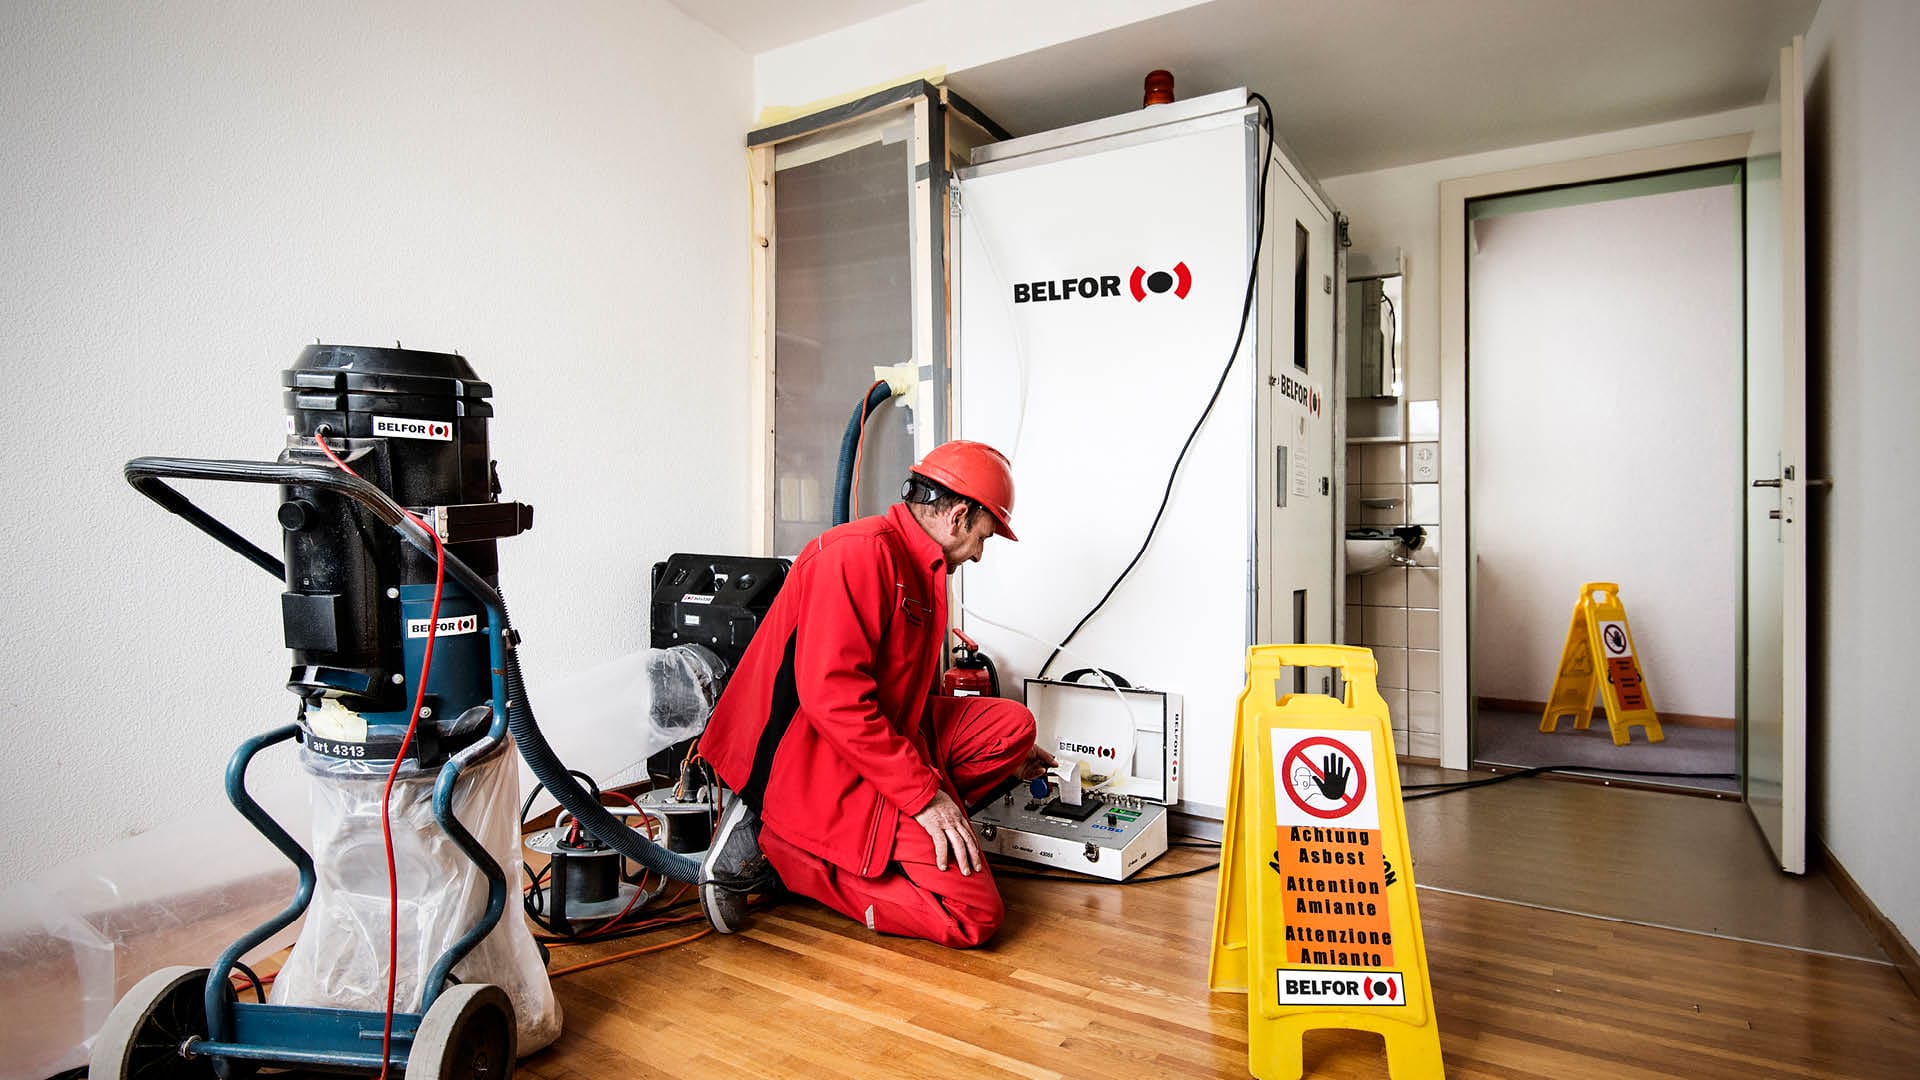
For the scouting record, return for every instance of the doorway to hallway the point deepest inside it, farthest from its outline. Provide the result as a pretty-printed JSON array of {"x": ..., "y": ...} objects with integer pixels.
[{"x": 1605, "y": 358}]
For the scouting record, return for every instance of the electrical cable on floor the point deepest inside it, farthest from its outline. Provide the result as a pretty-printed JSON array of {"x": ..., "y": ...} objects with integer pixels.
[
  {"x": 616, "y": 958},
  {"x": 634, "y": 930},
  {"x": 651, "y": 915},
  {"x": 1428, "y": 791},
  {"x": 1078, "y": 879},
  {"x": 259, "y": 987},
  {"x": 1422, "y": 791},
  {"x": 1246, "y": 314}
]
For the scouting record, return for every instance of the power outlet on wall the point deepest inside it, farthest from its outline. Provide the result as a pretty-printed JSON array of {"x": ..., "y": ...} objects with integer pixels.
[{"x": 1423, "y": 463}]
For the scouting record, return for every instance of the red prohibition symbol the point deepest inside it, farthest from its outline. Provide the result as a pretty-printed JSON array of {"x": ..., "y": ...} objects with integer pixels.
[{"x": 1349, "y": 799}]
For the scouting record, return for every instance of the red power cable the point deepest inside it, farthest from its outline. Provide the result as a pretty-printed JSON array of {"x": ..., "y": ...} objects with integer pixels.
[{"x": 386, "y": 793}]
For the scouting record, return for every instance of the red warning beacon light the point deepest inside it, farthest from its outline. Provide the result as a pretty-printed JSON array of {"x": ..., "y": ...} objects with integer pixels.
[{"x": 1159, "y": 88}]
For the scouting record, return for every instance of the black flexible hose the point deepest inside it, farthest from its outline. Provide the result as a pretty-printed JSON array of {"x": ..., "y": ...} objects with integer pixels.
[{"x": 849, "y": 447}]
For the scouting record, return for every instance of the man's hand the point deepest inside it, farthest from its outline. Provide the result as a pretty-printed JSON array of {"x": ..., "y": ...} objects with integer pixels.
[
  {"x": 1037, "y": 763},
  {"x": 947, "y": 824}
]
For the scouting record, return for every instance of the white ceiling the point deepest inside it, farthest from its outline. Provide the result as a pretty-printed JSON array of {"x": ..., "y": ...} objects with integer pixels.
[
  {"x": 760, "y": 25},
  {"x": 1358, "y": 85},
  {"x": 1366, "y": 84}
]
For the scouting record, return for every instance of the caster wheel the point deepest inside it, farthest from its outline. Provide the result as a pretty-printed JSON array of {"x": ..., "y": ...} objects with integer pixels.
[
  {"x": 144, "y": 1032},
  {"x": 468, "y": 1034}
]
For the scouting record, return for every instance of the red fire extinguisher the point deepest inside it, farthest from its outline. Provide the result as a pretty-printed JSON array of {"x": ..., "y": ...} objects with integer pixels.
[{"x": 972, "y": 673}]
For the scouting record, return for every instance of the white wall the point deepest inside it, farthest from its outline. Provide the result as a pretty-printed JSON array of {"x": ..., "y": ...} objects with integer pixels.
[
  {"x": 1400, "y": 208},
  {"x": 1606, "y": 373},
  {"x": 934, "y": 34},
  {"x": 196, "y": 190},
  {"x": 1863, "y": 239}
]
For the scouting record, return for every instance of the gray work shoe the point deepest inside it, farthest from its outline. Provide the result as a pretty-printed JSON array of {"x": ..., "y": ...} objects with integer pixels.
[{"x": 733, "y": 868}]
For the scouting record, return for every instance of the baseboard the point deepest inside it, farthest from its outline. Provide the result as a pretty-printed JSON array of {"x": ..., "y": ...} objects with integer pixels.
[
  {"x": 1724, "y": 723},
  {"x": 1898, "y": 948}
]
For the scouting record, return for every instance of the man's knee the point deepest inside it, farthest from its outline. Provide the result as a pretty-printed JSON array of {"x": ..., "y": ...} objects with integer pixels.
[
  {"x": 1022, "y": 722},
  {"x": 973, "y": 926},
  {"x": 1010, "y": 720}
]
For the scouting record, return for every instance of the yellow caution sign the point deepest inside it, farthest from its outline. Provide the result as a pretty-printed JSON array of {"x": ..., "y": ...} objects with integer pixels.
[
  {"x": 1599, "y": 630},
  {"x": 1316, "y": 919}
]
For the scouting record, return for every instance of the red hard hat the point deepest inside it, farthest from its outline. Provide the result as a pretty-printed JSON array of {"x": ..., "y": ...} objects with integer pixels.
[{"x": 977, "y": 471}]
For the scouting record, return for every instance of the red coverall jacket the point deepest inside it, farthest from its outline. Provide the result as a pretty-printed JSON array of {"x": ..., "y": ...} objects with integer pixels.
[{"x": 822, "y": 727}]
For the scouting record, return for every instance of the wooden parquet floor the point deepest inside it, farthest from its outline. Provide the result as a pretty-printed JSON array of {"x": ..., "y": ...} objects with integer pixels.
[{"x": 1100, "y": 982}]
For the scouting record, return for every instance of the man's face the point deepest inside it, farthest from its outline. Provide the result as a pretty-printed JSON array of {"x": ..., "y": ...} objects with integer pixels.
[{"x": 960, "y": 541}]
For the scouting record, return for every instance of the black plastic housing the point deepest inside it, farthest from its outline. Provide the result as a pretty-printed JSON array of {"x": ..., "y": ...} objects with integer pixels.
[
  {"x": 414, "y": 424},
  {"x": 713, "y": 600}
]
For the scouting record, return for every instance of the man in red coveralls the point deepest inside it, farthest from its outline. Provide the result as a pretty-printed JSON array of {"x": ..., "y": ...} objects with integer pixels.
[{"x": 851, "y": 775}]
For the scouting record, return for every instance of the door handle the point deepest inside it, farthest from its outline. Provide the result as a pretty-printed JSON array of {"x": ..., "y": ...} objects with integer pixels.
[
  {"x": 1812, "y": 485},
  {"x": 1773, "y": 483}
]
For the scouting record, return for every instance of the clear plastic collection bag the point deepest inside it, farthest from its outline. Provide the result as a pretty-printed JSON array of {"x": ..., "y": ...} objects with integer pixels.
[
  {"x": 340, "y": 960},
  {"x": 607, "y": 721}
]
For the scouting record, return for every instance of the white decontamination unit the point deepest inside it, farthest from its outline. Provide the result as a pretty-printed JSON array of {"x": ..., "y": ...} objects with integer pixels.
[{"x": 1102, "y": 278}]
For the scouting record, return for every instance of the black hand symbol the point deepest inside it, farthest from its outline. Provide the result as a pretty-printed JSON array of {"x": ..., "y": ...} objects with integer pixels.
[{"x": 1333, "y": 785}]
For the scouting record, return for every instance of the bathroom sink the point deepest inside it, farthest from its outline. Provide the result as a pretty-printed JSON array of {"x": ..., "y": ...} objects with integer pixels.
[{"x": 1371, "y": 549}]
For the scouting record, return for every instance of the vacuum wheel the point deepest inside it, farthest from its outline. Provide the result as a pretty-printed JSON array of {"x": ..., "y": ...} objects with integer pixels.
[
  {"x": 144, "y": 1032},
  {"x": 468, "y": 1034}
]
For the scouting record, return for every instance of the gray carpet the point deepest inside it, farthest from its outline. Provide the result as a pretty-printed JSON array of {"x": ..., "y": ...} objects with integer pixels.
[{"x": 1515, "y": 739}]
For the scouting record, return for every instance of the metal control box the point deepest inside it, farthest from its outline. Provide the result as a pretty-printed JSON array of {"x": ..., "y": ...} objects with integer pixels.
[
  {"x": 1106, "y": 837},
  {"x": 1128, "y": 740}
]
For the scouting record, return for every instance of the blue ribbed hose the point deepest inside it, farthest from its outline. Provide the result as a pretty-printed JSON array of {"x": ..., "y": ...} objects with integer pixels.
[{"x": 849, "y": 447}]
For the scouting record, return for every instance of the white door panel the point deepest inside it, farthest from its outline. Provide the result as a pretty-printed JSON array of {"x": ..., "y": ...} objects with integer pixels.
[{"x": 1774, "y": 771}]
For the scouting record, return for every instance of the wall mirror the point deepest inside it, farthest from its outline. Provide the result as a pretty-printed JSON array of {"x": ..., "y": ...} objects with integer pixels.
[{"x": 1375, "y": 338}]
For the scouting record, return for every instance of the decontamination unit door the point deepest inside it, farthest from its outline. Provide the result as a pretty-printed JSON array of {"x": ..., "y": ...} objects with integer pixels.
[{"x": 1102, "y": 283}]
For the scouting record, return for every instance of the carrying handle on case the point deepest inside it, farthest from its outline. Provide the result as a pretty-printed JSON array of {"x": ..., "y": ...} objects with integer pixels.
[{"x": 1115, "y": 677}]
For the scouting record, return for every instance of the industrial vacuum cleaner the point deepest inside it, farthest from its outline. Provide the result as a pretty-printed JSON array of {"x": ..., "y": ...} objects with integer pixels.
[{"x": 410, "y": 707}]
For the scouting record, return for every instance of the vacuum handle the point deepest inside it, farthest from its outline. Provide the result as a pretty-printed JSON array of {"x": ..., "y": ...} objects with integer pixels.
[{"x": 148, "y": 475}]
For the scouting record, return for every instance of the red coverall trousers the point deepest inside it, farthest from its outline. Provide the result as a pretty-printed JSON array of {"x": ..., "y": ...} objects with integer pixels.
[{"x": 975, "y": 744}]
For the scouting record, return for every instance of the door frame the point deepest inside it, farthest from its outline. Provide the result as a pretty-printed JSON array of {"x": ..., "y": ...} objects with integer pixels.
[
  {"x": 1455, "y": 570},
  {"x": 946, "y": 127}
]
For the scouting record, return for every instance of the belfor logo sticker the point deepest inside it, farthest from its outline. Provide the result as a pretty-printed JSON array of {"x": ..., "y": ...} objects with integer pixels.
[
  {"x": 1321, "y": 987},
  {"x": 1143, "y": 281},
  {"x": 1071, "y": 747},
  {"x": 401, "y": 427}
]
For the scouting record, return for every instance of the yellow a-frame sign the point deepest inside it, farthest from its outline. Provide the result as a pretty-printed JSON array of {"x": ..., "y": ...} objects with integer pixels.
[
  {"x": 1316, "y": 919},
  {"x": 1599, "y": 629}
]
